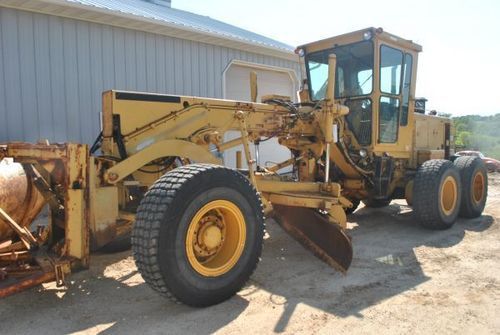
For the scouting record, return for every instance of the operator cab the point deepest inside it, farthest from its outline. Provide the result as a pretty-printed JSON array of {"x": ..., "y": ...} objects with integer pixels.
[{"x": 375, "y": 78}]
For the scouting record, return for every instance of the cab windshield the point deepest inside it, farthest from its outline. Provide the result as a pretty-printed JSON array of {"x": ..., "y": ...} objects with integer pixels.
[{"x": 354, "y": 75}]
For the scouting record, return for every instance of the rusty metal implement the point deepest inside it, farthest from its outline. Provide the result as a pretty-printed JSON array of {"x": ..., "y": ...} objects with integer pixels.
[{"x": 326, "y": 240}]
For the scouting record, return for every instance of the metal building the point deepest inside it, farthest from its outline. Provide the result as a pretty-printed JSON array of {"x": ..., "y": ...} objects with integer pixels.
[{"x": 57, "y": 56}]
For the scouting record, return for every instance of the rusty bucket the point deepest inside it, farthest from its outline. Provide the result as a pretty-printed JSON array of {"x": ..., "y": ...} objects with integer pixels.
[{"x": 18, "y": 197}]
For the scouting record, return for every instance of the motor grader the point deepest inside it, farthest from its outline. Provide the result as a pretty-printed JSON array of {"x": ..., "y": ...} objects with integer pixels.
[{"x": 156, "y": 172}]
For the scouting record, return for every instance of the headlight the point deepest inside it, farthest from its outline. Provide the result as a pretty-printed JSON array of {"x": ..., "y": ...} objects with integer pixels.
[
  {"x": 363, "y": 153},
  {"x": 367, "y": 35}
]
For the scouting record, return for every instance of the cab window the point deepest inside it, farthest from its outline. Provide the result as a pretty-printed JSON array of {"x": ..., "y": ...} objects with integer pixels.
[
  {"x": 388, "y": 119},
  {"x": 391, "y": 62},
  {"x": 391, "y": 65},
  {"x": 406, "y": 89},
  {"x": 354, "y": 75}
]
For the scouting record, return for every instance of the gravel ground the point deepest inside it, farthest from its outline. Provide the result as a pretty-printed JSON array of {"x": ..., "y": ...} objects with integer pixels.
[{"x": 404, "y": 279}]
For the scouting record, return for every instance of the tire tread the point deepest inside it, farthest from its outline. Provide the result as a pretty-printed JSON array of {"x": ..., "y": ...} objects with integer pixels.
[
  {"x": 467, "y": 166},
  {"x": 426, "y": 193},
  {"x": 156, "y": 202}
]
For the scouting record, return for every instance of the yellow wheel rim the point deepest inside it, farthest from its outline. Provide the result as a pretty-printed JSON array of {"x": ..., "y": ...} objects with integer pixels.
[
  {"x": 449, "y": 195},
  {"x": 478, "y": 188},
  {"x": 216, "y": 238}
]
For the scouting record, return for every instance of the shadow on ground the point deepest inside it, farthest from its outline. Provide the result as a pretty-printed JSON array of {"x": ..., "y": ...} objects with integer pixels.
[
  {"x": 96, "y": 303},
  {"x": 384, "y": 265}
]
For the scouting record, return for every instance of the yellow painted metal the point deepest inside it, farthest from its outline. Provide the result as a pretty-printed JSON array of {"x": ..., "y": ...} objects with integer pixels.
[
  {"x": 77, "y": 229},
  {"x": 478, "y": 186},
  {"x": 425, "y": 155},
  {"x": 190, "y": 116},
  {"x": 405, "y": 148},
  {"x": 283, "y": 164},
  {"x": 103, "y": 214},
  {"x": 229, "y": 144},
  {"x": 347, "y": 168},
  {"x": 302, "y": 200},
  {"x": 272, "y": 185},
  {"x": 238, "y": 159},
  {"x": 429, "y": 131},
  {"x": 194, "y": 120},
  {"x": 67, "y": 164},
  {"x": 337, "y": 215},
  {"x": 241, "y": 116},
  {"x": 152, "y": 127},
  {"x": 164, "y": 148},
  {"x": 27, "y": 152},
  {"x": 75, "y": 224},
  {"x": 103, "y": 209},
  {"x": 216, "y": 238},
  {"x": 354, "y": 184},
  {"x": 357, "y": 36},
  {"x": 448, "y": 195},
  {"x": 306, "y": 194}
]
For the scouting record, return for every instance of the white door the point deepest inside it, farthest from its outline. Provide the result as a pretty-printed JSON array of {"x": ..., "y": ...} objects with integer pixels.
[{"x": 238, "y": 88}]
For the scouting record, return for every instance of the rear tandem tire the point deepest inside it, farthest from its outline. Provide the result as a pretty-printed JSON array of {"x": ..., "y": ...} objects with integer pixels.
[
  {"x": 474, "y": 177},
  {"x": 436, "y": 194},
  {"x": 198, "y": 234}
]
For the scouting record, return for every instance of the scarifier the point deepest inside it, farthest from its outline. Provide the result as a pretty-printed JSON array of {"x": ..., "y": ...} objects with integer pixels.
[{"x": 155, "y": 173}]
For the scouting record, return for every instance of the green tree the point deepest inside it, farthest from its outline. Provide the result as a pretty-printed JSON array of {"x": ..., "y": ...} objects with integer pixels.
[
  {"x": 475, "y": 132},
  {"x": 464, "y": 139}
]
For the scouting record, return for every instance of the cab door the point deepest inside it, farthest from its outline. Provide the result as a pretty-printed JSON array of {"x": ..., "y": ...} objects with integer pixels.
[{"x": 392, "y": 108}]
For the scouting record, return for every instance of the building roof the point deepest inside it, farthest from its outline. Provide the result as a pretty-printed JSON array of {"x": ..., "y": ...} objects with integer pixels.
[
  {"x": 148, "y": 16},
  {"x": 182, "y": 18}
]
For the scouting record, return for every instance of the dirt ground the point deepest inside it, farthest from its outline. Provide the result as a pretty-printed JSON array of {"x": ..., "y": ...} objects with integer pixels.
[{"x": 404, "y": 279}]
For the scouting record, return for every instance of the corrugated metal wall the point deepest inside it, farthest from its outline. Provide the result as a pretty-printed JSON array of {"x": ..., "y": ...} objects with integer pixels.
[{"x": 53, "y": 71}]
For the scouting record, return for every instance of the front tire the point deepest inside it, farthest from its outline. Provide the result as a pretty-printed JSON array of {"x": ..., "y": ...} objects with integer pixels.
[
  {"x": 198, "y": 234},
  {"x": 474, "y": 177},
  {"x": 436, "y": 194}
]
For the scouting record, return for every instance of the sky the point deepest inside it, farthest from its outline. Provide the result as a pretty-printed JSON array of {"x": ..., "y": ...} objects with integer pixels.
[{"x": 458, "y": 70}]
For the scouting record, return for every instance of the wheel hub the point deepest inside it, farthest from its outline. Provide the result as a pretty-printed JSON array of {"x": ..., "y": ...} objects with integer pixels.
[
  {"x": 209, "y": 236},
  {"x": 449, "y": 195},
  {"x": 215, "y": 238},
  {"x": 478, "y": 188},
  {"x": 212, "y": 237}
]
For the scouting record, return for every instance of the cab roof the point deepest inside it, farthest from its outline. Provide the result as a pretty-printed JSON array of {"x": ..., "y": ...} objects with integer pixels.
[{"x": 360, "y": 35}]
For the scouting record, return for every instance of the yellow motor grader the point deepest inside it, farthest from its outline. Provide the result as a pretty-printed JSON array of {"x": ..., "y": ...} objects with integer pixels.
[{"x": 156, "y": 173}]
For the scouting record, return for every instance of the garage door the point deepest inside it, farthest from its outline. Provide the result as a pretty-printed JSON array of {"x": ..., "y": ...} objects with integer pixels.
[{"x": 238, "y": 88}]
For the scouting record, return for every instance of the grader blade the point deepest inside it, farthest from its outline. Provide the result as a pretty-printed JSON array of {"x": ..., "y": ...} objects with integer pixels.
[{"x": 327, "y": 241}]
